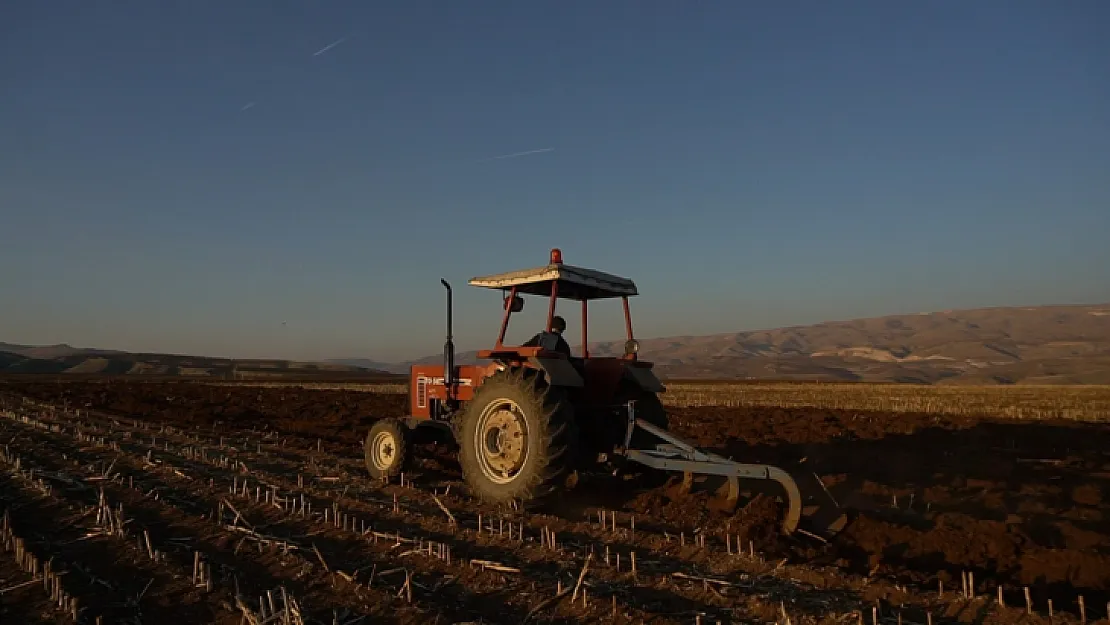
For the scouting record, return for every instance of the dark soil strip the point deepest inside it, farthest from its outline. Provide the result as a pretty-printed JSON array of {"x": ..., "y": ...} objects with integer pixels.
[{"x": 470, "y": 591}]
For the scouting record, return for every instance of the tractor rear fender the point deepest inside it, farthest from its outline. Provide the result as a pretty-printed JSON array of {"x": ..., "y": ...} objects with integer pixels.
[
  {"x": 644, "y": 378},
  {"x": 559, "y": 372}
]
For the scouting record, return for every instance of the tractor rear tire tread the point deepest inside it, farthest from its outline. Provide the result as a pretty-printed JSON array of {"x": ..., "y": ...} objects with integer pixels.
[{"x": 550, "y": 419}]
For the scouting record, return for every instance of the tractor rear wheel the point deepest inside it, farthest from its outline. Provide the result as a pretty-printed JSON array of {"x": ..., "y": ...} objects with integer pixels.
[
  {"x": 386, "y": 449},
  {"x": 517, "y": 438}
]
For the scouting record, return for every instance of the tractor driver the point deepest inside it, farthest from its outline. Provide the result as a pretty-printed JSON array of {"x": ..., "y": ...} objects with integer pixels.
[{"x": 554, "y": 340}]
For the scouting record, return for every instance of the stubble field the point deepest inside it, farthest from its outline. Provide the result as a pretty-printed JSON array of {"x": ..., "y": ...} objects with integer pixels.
[{"x": 226, "y": 503}]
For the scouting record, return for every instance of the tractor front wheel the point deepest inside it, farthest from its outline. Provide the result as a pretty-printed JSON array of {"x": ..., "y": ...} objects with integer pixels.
[
  {"x": 386, "y": 449},
  {"x": 517, "y": 438}
]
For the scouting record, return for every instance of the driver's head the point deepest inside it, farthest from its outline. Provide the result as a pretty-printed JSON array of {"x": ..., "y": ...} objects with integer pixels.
[{"x": 558, "y": 324}]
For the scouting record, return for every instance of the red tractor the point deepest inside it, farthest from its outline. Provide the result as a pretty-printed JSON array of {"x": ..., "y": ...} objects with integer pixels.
[{"x": 528, "y": 421}]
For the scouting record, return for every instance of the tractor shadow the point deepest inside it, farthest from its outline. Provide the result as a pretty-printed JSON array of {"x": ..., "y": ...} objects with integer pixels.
[
  {"x": 435, "y": 463},
  {"x": 436, "y": 466}
]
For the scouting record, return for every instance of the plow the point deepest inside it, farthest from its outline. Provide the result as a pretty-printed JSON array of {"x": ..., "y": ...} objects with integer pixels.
[{"x": 534, "y": 417}]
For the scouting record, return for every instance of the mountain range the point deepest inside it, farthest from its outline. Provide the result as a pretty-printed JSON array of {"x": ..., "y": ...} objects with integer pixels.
[
  {"x": 1006, "y": 345},
  {"x": 69, "y": 360},
  {"x": 1030, "y": 345}
]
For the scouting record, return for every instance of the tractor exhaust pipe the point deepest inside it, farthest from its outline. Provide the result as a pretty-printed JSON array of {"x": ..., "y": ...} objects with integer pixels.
[{"x": 448, "y": 346}]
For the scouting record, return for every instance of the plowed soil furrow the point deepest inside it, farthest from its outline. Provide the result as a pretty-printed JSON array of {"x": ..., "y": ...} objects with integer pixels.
[
  {"x": 476, "y": 592},
  {"x": 770, "y": 589},
  {"x": 23, "y": 598},
  {"x": 162, "y": 547},
  {"x": 290, "y": 454},
  {"x": 748, "y": 596},
  {"x": 236, "y": 554},
  {"x": 335, "y": 550},
  {"x": 1017, "y": 504},
  {"x": 111, "y": 575},
  {"x": 532, "y": 558},
  {"x": 658, "y": 554},
  {"x": 359, "y": 489}
]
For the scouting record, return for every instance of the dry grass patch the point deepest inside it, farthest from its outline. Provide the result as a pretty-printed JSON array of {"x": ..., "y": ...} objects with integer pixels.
[
  {"x": 360, "y": 387},
  {"x": 1081, "y": 403},
  {"x": 1085, "y": 403}
]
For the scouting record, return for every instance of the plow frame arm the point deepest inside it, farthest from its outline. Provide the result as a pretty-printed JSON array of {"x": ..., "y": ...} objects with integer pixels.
[{"x": 677, "y": 455}]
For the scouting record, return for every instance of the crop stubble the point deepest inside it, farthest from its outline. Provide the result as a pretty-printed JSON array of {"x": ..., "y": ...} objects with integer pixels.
[
  {"x": 300, "y": 546},
  {"x": 1016, "y": 503}
]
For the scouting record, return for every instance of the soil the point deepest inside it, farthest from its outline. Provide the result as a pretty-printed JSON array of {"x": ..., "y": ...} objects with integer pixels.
[{"x": 931, "y": 498}]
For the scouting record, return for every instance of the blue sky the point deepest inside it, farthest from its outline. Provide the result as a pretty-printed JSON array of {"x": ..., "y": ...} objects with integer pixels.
[{"x": 751, "y": 165}]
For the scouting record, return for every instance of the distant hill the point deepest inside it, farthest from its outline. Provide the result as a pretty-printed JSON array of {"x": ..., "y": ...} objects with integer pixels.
[
  {"x": 1031, "y": 345},
  {"x": 1028, "y": 345},
  {"x": 47, "y": 352},
  {"x": 8, "y": 359},
  {"x": 69, "y": 360},
  {"x": 375, "y": 365}
]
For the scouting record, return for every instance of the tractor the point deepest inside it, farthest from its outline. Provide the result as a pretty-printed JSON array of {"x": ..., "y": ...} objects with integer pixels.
[{"x": 531, "y": 418}]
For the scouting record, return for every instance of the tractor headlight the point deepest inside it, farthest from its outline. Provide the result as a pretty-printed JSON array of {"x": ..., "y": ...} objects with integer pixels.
[{"x": 631, "y": 346}]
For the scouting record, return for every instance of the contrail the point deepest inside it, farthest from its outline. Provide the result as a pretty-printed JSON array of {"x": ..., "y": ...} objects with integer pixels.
[
  {"x": 329, "y": 46},
  {"x": 516, "y": 154},
  {"x": 247, "y": 106}
]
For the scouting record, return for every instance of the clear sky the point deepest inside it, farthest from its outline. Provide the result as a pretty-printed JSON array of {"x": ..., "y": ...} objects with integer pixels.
[{"x": 192, "y": 177}]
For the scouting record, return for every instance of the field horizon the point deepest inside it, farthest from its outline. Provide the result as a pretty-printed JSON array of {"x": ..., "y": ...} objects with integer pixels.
[{"x": 1053, "y": 344}]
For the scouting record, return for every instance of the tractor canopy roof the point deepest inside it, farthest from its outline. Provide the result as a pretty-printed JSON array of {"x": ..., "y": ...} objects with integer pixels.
[{"x": 576, "y": 283}]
